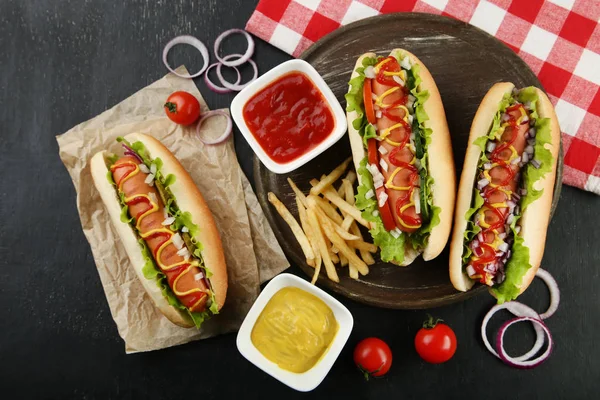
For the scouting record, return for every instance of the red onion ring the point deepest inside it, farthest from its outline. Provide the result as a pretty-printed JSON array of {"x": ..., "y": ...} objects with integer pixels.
[
  {"x": 519, "y": 310},
  {"x": 242, "y": 59},
  {"x": 192, "y": 41},
  {"x": 221, "y": 89},
  {"x": 554, "y": 292},
  {"x": 225, "y": 134},
  {"x": 519, "y": 363},
  {"x": 129, "y": 152},
  {"x": 236, "y": 86}
]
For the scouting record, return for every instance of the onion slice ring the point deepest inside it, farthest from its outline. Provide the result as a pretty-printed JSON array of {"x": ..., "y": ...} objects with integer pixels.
[
  {"x": 220, "y": 89},
  {"x": 225, "y": 134},
  {"x": 236, "y": 87},
  {"x": 515, "y": 362},
  {"x": 192, "y": 41},
  {"x": 520, "y": 310},
  {"x": 554, "y": 292},
  {"x": 243, "y": 58}
]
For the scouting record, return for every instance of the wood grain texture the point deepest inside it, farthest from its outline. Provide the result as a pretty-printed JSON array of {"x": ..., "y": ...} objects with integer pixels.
[
  {"x": 465, "y": 62},
  {"x": 63, "y": 62}
]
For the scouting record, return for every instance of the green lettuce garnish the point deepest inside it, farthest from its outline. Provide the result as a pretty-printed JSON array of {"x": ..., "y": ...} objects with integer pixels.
[
  {"x": 182, "y": 219},
  {"x": 393, "y": 248},
  {"x": 518, "y": 264}
]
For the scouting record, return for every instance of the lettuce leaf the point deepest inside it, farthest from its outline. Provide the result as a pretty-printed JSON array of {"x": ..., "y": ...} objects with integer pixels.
[
  {"x": 515, "y": 269},
  {"x": 472, "y": 229},
  {"x": 354, "y": 101},
  {"x": 392, "y": 249}
]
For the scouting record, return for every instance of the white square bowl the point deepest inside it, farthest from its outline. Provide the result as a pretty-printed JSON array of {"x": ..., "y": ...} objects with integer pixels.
[
  {"x": 339, "y": 116},
  {"x": 310, "y": 379}
]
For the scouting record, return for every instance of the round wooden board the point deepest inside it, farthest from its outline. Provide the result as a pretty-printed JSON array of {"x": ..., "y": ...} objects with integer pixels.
[{"x": 465, "y": 62}]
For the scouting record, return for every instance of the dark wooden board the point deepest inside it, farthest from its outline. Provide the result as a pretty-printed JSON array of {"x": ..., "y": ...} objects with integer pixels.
[{"x": 465, "y": 62}]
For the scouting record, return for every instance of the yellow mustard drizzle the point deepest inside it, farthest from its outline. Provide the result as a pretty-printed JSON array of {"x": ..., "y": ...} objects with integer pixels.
[
  {"x": 154, "y": 208},
  {"x": 379, "y": 101},
  {"x": 404, "y": 208}
]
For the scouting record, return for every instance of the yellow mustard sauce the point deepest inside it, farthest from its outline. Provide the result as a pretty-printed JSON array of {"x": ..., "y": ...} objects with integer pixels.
[{"x": 294, "y": 330}]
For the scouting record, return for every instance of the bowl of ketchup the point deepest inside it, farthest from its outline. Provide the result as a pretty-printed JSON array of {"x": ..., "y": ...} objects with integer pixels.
[{"x": 289, "y": 116}]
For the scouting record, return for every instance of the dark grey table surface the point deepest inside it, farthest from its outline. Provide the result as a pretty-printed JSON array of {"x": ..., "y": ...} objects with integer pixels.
[{"x": 65, "y": 61}]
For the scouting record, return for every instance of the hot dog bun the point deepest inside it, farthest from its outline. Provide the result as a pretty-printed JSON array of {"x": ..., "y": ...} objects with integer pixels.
[
  {"x": 535, "y": 218},
  {"x": 188, "y": 199},
  {"x": 441, "y": 162}
]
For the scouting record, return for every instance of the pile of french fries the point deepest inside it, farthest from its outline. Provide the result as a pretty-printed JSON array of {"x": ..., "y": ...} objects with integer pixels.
[{"x": 328, "y": 232}]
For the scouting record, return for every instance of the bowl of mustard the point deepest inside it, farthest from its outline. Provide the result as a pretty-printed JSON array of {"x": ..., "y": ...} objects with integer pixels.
[{"x": 294, "y": 332}]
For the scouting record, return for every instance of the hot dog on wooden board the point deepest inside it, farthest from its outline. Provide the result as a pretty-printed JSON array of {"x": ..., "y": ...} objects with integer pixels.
[
  {"x": 505, "y": 192},
  {"x": 402, "y": 154},
  {"x": 165, "y": 227}
]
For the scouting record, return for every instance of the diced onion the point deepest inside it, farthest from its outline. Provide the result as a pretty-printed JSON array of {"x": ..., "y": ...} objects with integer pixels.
[
  {"x": 382, "y": 199},
  {"x": 177, "y": 241},
  {"x": 517, "y": 229},
  {"x": 383, "y": 164},
  {"x": 375, "y": 213},
  {"x": 515, "y": 161},
  {"x": 144, "y": 168},
  {"x": 378, "y": 183},
  {"x": 510, "y": 219},
  {"x": 168, "y": 221},
  {"x": 405, "y": 63},
  {"x": 487, "y": 166},
  {"x": 511, "y": 204},
  {"x": 185, "y": 229},
  {"x": 370, "y": 72},
  {"x": 474, "y": 244},
  {"x": 198, "y": 276},
  {"x": 398, "y": 80},
  {"x": 470, "y": 270},
  {"x": 183, "y": 252},
  {"x": 410, "y": 119},
  {"x": 370, "y": 194},
  {"x": 153, "y": 197},
  {"x": 529, "y": 149},
  {"x": 417, "y": 200},
  {"x": 149, "y": 179},
  {"x": 165, "y": 213},
  {"x": 382, "y": 150},
  {"x": 153, "y": 169},
  {"x": 378, "y": 114},
  {"x": 482, "y": 183},
  {"x": 505, "y": 117},
  {"x": 525, "y": 158},
  {"x": 502, "y": 235},
  {"x": 503, "y": 247},
  {"x": 523, "y": 192},
  {"x": 491, "y": 146},
  {"x": 536, "y": 164},
  {"x": 480, "y": 237},
  {"x": 395, "y": 233}
]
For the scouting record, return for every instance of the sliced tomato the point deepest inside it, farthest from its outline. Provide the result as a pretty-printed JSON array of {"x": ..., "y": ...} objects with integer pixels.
[
  {"x": 368, "y": 101},
  {"x": 385, "y": 212},
  {"x": 372, "y": 151},
  {"x": 388, "y": 64}
]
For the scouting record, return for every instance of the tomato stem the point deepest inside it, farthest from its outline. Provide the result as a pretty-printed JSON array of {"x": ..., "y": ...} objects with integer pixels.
[
  {"x": 430, "y": 323},
  {"x": 172, "y": 107}
]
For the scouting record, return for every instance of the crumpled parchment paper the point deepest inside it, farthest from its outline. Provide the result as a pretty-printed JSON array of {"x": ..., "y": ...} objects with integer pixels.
[{"x": 252, "y": 253}]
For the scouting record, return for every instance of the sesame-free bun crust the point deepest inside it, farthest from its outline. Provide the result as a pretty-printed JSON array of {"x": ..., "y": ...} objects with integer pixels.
[
  {"x": 535, "y": 219},
  {"x": 441, "y": 162},
  {"x": 188, "y": 199}
]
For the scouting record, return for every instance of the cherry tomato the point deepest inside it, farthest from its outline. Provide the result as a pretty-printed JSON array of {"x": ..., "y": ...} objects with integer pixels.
[
  {"x": 373, "y": 357},
  {"x": 435, "y": 342},
  {"x": 368, "y": 101},
  {"x": 182, "y": 108}
]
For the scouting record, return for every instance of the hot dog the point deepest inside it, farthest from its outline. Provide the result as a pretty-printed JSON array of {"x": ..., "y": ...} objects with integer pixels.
[
  {"x": 166, "y": 228},
  {"x": 505, "y": 192},
  {"x": 402, "y": 153}
]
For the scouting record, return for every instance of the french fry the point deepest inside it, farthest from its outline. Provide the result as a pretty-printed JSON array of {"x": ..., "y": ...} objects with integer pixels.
[
  {"x": 337, "y": 200},
  {"x": 348, "y": 191},
  {"x": 329, "y": 267},
  {"x": 362, "y": 245},
  {"x": 343, "y": 247},
  {"x": 353, "y": 271},
  {"x": 351, "y": 177},
  {"x": 331, "y": 178},
  {"x": 344, "y": 234},
  {"x": 298, "y": 192},
  {"x": 343, "y": 260},
  {"x": 365, "y": 255},
  {"x": 309, "y": 232},
  {"x": 327, "y": 208},
  {"x": 293, "y": 224},
  {"x": 333, "y": 256}
]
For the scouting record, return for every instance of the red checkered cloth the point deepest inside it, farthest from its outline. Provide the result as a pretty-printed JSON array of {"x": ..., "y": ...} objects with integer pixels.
[{"x": 559, "y": 39}]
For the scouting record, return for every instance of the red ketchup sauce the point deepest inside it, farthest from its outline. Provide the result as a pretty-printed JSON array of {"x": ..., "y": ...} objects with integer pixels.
[{"x": 289, "y": 117}]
